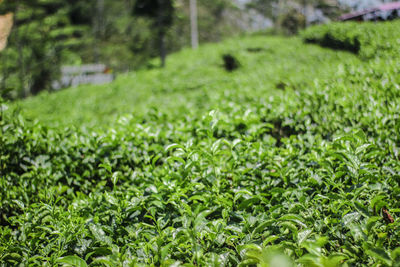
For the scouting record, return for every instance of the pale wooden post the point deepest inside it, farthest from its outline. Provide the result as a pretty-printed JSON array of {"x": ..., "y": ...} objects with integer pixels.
[{"x": 193, "y": 24}]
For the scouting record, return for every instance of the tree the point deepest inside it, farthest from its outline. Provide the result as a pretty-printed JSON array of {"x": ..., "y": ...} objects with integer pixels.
[
  {"x": 266, "y": 7},
  {"x": 41, "y": 32},
  {"x": 291, "y": 15},
  {"x": 161, "y": 12},
  {"x": 123, "y": 34}
]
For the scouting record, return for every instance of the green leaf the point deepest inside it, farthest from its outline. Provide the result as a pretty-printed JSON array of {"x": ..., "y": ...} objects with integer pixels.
[
  {"x": 114, "y": 178},
  {"x": 99, "y": 234},
  {"x": 362, "y": 209},
  {"x": 72, "y": 261},
  {"x": 380, "y": 254},
  {"x": 106, "y": 167},
  {"x": 173, "y": 146},
  {"x": 350, "y": 218},
  {"x": 173, "y": 159},
  {"x": 291, "y": 226},
  {"x": 303, "y": 235}
]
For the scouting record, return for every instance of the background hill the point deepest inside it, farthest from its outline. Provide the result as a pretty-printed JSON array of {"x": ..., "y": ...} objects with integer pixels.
[
  {"x": 194, "y": 81},
  {"x": 125, "y": 37}
]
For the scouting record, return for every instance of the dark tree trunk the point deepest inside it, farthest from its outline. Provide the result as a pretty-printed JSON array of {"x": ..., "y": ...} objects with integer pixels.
[
  {"x": 21, "y": 63},
  {"x": 98, "y": 29},
  {"x": 163, "y": 50},
  {"x": 161, "y": 11},
  {"x": 161, "y": 34}
]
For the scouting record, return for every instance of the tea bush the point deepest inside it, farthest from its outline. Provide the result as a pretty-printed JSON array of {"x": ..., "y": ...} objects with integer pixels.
[
  {"x": 292, "y": 159},
  {"x": 369, "y": 39}
]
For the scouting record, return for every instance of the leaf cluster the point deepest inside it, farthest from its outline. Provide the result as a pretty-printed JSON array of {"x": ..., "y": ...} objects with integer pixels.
[
  {"x": 279, "y": 163},
  {"x": 367, "y": 39}
]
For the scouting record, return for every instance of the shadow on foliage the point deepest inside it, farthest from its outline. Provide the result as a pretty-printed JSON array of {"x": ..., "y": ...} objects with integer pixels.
[{"x": 231, "y": 63}]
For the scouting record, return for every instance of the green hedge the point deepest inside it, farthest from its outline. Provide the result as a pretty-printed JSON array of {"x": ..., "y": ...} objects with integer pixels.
[
  {"x": 368, "y": 39},
  {"x": 273, "y": 158}
]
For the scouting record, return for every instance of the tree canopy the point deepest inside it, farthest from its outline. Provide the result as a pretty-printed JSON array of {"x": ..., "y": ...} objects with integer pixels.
[{"x": 124, "y": 34}]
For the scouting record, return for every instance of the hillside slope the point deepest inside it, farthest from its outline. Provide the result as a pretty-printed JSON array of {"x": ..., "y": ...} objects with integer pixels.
[
  {"x": 193, "y": 82},
  {"x": 293, "y": 158}
]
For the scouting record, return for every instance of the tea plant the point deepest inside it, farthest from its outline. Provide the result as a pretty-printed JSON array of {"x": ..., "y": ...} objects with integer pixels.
[
  {"x": 369, "y": 39},
  {"x": 290, "y": 160}
]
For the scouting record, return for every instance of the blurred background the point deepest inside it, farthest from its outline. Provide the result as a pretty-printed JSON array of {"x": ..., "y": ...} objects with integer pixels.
[{"x": 38, "y": 37}]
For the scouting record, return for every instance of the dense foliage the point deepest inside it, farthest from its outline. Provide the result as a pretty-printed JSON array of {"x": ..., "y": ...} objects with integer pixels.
[
  {"x": 290, "y": 16},
  {"x": 42, "y": 32},
  {"x": 161, "y": 12},
  {"x": 367, "y": 39},
  {"x": 295, "y": 152},
  {"x": 50, "y": 33}
]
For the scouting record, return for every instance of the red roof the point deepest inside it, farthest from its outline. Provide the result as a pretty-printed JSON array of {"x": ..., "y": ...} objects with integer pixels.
[
  {"x": 356, "y": 14},
  {"x": 383, "y": 7},
  {"x": 389, "y": 6}
]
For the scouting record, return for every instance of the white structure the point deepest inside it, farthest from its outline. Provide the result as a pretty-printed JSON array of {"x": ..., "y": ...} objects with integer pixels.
[
  {"x": 86, "y": 74},
  {"x": 252, "y": 20}
]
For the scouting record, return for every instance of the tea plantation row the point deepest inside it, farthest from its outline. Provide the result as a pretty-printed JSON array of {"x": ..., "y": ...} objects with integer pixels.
[
  {"x": 368, "y": 39},
  {"x": 292, "y": 159}
]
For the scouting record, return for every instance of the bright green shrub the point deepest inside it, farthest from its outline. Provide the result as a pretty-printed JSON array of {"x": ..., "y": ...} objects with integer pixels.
[
  {"x": 369, "y": 39},
  {"x": 296, "y": 152}
]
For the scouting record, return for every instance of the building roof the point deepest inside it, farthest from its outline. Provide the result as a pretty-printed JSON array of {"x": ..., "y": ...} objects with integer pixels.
[
  {"x": 389, "y": 6},
  {"x": 356, "y": 14},
  {"x": 360, "y": 14}
]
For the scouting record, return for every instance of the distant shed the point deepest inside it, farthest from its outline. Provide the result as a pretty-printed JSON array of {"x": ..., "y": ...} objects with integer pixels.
[
  {"x": 85, "y": 74},
  {"x": 383, "y": 12}
]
